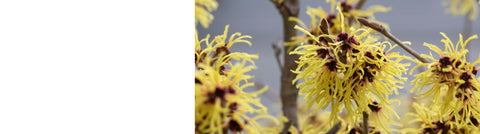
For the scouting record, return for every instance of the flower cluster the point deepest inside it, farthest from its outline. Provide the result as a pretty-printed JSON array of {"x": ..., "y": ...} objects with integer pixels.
[
  {"x": 353, "y": 70},
  {"x": 453, "y": 84},
  {"x": 343, "y": 67},
  {"x": 432, "y": 122},
  {"x": 462, "y": 7},
  {"x": 311, "y": 122},
  {"x": 334, "y": 22},
  {"x": 221, "y": 104},
  {"x": 202, "y": 11}
]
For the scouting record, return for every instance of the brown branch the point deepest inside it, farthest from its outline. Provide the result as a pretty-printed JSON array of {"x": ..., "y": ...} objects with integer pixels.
[
  {"x": 467, "y": 31},
  {"x": 288, "y": 91},
  {"x": 357, "y": 7},
  {"x": 360, "y": 4},
  {"x": 269, "y": 95},
  {"x": 382, "y": 30},
  {"x": 365, "y": 123},
  {"x": 334, "y": 129}
]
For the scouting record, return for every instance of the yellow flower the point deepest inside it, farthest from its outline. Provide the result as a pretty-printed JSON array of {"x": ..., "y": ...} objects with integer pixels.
[
  {"x": 221, "y": 104},
  {"x": 312, "y": 122},
  {"x": 335, "y": 22},
  {"x": 431, "y": 121},
  {"x": 462, "y": 7},
  {"x": 202, "y": 11},
  {"x": 454, "y": 77},
  {"x": 381, "y": 117},
  {"x": 347, "y": 73},
  {"x": 219, "y": 49},
  {"x": 350, "y": 12}
]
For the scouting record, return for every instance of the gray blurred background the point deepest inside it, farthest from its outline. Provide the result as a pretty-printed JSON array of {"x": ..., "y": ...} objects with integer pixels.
[{"x": 417, "y": 21}]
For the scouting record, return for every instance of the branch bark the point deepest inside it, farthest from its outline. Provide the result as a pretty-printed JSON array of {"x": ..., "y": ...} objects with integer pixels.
[
  {"x": 360, "y": 4},
  {"x": 334, "y": 129},
  {"x": 467, "y": 31},
  {"x": 288, "y": 91},
  {"x": 365, "y": 123},
  {"x": 379, "y": 28},
  {"x": 357, "y": 7}
]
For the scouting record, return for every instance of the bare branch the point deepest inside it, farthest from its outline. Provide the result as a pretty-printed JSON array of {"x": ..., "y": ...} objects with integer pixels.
[
  {"x": 334, "y": 129},
  {"x": 467, "y": 31},
  {"x": 293, "y": 6},
  {"x": 360, "y": 4},
  {"x": 357, "y": 7},
  {"x": 269, "y": 94},
  {"x": 277, "y": 51},
  {"x": 382, "y": 30},
  {"x": 365, "y": 123},
  {"x": 276, "y": 3}
]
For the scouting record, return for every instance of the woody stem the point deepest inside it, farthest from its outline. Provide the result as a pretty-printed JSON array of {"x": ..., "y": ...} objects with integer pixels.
[
  {"x": 379, "y": 28},
  {"x": 357, "y": 7},
  {"x": 365, "y": 122}
]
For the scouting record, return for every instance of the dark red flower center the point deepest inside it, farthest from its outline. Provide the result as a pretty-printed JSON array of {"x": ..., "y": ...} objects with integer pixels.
[
  {"x": 323, "y": 52},
  {"x": 217, "y": 93},
  {"x": 234, "y": 126},
  {"x": 445, "y": 62},
  {"x": 345, "y": 6},
  {"x": 374, "y": 107},
  {"x": 331, "y": 64}
]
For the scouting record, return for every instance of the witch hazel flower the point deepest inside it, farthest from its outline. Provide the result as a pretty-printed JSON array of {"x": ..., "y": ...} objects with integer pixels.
[
  {"x": 351, "y": 72},
  {"x": 462, "y": 7},
  {"x": 333, "y": 23},
  {"x": 221, "y": 104},
  {"x": 450, "y": 81},
  {"x": 202, "y": 12},
  {"x": 431, "y": 121}
]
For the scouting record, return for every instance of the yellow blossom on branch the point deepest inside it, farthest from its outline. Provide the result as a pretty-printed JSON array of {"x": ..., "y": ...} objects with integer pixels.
[
  {"x": 350, "y": 72},
  {"x": 221, "y": 104},
  {"x": 334, "y": 21},
  {"x": 431, "y": 121},
  {"x": 202, "y": 11},
  {"x": 452, "y": 83},
  {"x": 462, "y": 7}
]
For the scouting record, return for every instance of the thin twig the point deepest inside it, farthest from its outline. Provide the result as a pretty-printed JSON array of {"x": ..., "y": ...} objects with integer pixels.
[
  {"x": 360, "y": 4},
  {"x": 365, "y": 123},
  {"x": 382, "y": 30},
  {"x": 357, "y": 7},
  {"x": 277, "y": 52},
  {"x": 467, "y": 31},
  {"x": 334, "y": 129},
  {"x": 269, "y": 95}
]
